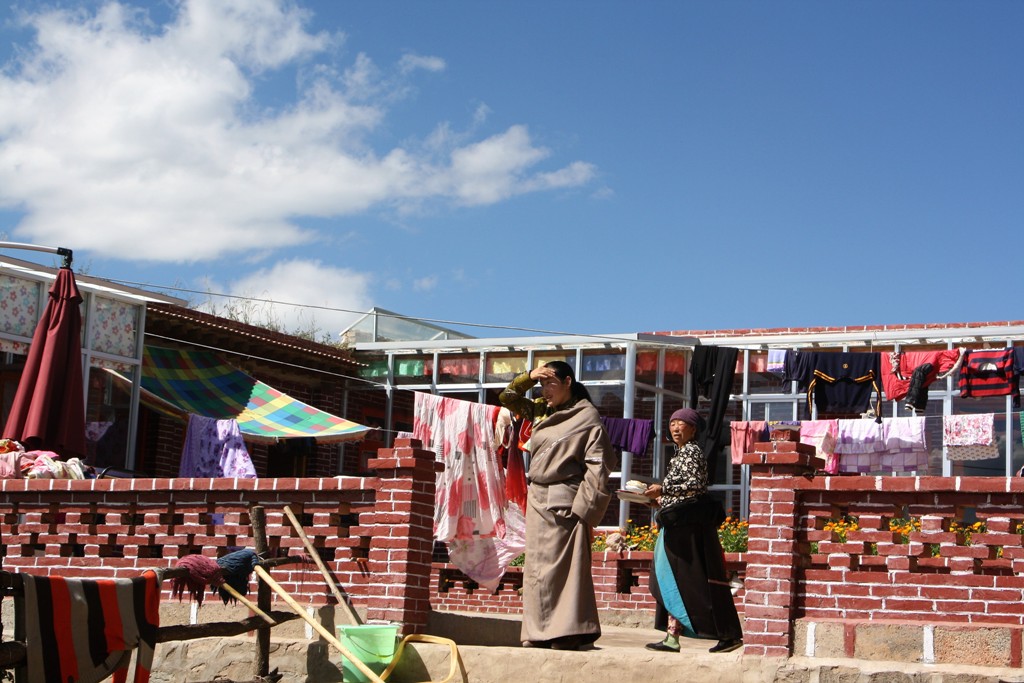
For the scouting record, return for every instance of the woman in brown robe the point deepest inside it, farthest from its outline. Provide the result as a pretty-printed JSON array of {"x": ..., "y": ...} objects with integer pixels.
[{"x": 571, "y": 457}]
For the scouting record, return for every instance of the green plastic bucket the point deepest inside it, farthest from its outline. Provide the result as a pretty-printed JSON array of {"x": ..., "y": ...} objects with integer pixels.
[{"x": 372, "y": 644}]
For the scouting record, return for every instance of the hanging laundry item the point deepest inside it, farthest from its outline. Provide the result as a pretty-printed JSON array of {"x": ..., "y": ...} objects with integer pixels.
[
  {"x": 969, "y": 437},
  {"x": 629, "y": 434},
  {"x": 905, "y": 444},
  {"x": 471, "y": 512},
  {"x": 744, "y": 435},
  {"x": 777, "y": 362},
  {"x": 515, "y": 475},
  {"x": 843, "y": 383},
  {"x": 799, "y": 368},
  {"x": 213, "y": 449},
  {"x": 504, "y": 433},
  {"x": 989, "y": 372},
  {"x": 85, "y": 629},
  {"x": 713, "y": 369},
  {"x": 858, "y": 445},
  {"x": 900, "y": 368},
  {"x": 1018, "y": 360},
  {"x": 822, "y": 434},
  {"x": 917, "y": 392},
  {"x": 895, "y": 446}
]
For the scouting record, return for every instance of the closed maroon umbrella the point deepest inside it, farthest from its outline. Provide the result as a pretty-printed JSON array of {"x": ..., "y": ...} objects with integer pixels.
[{"x": 48, "y": 411}]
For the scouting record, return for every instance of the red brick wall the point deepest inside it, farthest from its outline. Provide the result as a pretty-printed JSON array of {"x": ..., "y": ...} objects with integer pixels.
[
  {"x": 374, "y": 534},
  {"x": 798, "y": 570}
]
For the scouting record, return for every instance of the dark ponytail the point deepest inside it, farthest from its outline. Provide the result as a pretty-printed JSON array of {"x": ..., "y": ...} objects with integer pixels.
[{"x": 563, "y": 370}]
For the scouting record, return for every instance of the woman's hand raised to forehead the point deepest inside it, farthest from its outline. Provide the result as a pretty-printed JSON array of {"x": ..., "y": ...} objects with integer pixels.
[{"x": 542, "y": 373}]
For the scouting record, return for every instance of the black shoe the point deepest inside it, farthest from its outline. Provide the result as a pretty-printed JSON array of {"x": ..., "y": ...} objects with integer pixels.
[
  {"x": 727, "y": 645},
  {"x": 537, "y": 643},
  {"x": 570, "y": 643},
  {"x": 660, "y": 646}
]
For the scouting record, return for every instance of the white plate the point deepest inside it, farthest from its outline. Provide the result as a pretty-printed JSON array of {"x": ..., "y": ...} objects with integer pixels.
[{"x": 632, "y": 497}]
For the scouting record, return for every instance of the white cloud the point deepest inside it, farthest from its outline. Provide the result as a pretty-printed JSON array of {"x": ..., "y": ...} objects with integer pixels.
[
  {"x": 425, "y": 284},
  {"x": 328, "y": 299},
  {"x": 410, "y": 62},
  {"x": 148, "y": 142}
]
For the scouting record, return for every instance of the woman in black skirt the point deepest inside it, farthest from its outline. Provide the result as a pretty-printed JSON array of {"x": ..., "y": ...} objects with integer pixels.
[{"x": 688, "y": 577}]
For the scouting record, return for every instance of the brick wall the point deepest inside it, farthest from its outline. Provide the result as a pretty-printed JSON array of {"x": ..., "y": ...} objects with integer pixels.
[
  {"x": 373, "y": 533},
  {"x": 800, "y": 573},
  {"x": 806, "y": 591}
]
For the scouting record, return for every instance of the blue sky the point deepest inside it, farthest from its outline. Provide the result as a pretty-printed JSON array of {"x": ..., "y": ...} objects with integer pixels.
[{"x": 582, "y": 167}]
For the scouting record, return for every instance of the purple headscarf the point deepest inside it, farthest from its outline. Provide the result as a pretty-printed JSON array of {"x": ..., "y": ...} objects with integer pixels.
[{"x": 689, "y": 416}]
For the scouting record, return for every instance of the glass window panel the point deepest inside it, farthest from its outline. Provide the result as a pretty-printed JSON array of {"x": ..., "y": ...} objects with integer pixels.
[
  {"x": 414, "y": 369},
  {"x": 402, "y": 405},
  {"x": 114, "y": 327},
  {"x": 541, "y": 358},
  {"x": 502, "y": 367},
  {"x": 10, "y": 375},
  {"x": 647, "y": 366},
  {"x": 608, "y": 399},
  {"x": 107, "y": 411},
  {"x": 675, "y": 370},
  {"x": 458, "y": 369},
  {"x": 1017, "y": 455},
  {"x": 19, "y": 305},
  {"x": 603, "y": 365},
  {"x": 377, "y": 369}
]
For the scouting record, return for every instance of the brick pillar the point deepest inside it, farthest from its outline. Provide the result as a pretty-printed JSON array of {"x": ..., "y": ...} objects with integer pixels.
[
  {"x": 772, "y": 556},
  {"x": 402, "y": 536}
]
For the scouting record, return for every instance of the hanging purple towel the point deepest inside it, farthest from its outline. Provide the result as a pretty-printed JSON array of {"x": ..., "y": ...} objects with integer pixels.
[
  {"x": 214, "y": 448},
  {"x": 629, "y": 434}
]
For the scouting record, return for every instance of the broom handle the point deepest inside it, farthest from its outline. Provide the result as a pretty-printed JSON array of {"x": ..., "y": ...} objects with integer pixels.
[
  {"x": 346, "y": 608},
  {"x": 248, "y": 603},
  {"x": 297, "y": 608}
]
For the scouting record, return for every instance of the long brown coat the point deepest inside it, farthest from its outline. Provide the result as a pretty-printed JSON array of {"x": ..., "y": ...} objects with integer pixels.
[{"x": 571, "y": 457}]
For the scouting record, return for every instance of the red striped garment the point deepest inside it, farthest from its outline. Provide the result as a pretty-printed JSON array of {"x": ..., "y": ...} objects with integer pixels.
[
  {"x": 989, "y": 372},
  {"x": 83, "y": 630}
]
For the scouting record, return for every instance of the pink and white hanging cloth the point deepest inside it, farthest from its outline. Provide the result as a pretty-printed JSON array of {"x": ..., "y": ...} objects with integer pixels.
[
  {"x": 969, "y": 437},
  {"x": 484, "y": 532}
]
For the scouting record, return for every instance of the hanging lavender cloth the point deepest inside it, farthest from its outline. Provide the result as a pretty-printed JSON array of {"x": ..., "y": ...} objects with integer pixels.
[
  {"x": 214, "y": 448},
  {"x": 629, "y": 434}
]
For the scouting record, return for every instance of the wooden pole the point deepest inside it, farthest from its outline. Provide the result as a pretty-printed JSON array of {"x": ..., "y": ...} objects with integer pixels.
[
  {"x": 214, "y": 629},
  {"x": 350, "y": 613},
  {"x": 324, "y": 633},
  {"x": 248, "y": 603},
  {"x": 258, "y": 520}
]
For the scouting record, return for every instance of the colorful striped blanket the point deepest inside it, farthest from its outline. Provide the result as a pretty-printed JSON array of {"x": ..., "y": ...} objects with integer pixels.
[{"x": 83, "y": 630}]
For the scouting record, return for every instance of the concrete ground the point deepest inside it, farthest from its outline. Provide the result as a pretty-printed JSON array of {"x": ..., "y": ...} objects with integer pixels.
[
  {"x": 489, "y": 652},
  {"x": 619, "y": 656}
]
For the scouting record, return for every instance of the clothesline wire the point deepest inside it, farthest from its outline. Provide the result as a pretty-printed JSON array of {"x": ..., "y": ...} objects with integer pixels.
[
  {"x": 370, "y": 381},
  {"x": 335, "y": 309}
]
